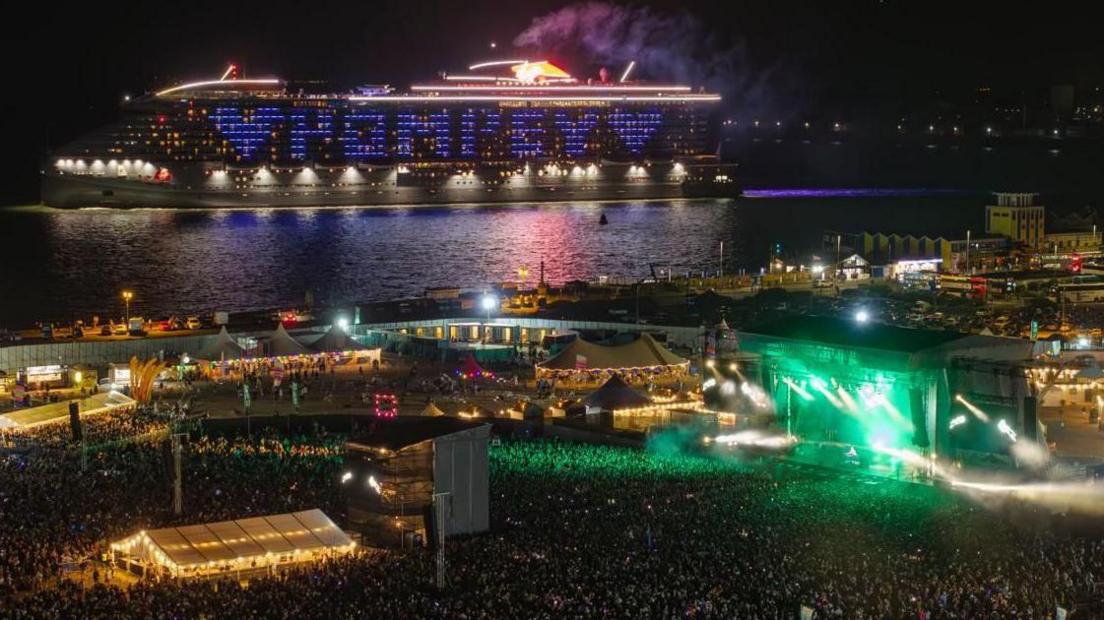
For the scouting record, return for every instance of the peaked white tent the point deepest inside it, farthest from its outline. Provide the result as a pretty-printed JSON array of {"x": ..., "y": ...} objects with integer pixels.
[
  {"x": 282, "y": 344},
  {"x": 223, "y": 348},
  {"x": 334, "y": 341},
  {"x": 432, "y": 410}
]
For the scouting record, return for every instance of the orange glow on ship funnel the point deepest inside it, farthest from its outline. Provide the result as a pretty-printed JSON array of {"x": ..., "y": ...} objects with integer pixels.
[{"x": 538, "y": 70}]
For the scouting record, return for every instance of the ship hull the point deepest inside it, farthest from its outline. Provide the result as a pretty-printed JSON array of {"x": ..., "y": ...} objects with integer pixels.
[{"x": 73, "y": 192}]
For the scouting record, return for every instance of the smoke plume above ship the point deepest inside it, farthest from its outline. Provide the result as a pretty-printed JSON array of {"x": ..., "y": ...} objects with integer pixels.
[{"x": 665, "y": 46}]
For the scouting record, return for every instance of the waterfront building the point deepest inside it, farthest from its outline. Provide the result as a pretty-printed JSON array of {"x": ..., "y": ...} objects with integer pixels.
[
  {"x": 976, "y": 254},
  {"x": 1084, "y": 241},
  {"x": 1017, "y": 217},
  {"x": 984, "y": 253}
]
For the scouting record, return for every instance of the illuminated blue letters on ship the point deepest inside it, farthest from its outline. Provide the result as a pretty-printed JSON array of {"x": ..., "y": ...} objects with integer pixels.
[
  {"x": 471, "y": 131},
  {"x": 318, "y": 128},
  {"x": 526, "y": 133},
  {"x": 576, "y": 131},
  {"x": 433, "y": 126},
  {"x": 365, "y": 135},
  {"x": 635, "y": 128},
  {"x": 246, "y": 131}
]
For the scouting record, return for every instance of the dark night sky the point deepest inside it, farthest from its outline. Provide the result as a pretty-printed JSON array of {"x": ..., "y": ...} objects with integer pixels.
[{"x": 68, "y": 67}]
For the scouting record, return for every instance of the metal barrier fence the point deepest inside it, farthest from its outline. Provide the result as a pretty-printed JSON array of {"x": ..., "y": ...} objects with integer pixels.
[
  {"x": 96, "y": 352},
  {"x": 99, "y": 353}
]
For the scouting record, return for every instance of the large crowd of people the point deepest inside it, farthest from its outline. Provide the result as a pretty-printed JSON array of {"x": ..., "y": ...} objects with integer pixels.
[
  {"x": 120, "y": 424},
  {"x": 59, "y": 508},
  {"x": 577, "y": 531}
]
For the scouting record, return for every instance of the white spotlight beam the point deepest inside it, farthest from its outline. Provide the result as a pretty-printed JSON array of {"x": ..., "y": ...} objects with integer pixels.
[{"x": 628, "y": 70}]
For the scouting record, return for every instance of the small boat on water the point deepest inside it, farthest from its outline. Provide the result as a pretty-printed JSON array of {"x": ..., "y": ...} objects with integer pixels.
[{"x": 602, "y": 220}]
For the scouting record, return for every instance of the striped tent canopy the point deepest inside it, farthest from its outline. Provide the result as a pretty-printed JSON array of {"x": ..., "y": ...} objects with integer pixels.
[{"x": 644, "y": 352}]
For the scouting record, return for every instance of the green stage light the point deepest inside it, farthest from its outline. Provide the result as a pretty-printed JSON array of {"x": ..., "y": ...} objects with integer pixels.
[
  {"x": 797, "y": 388},
  {"x": 848, "y": 402}
]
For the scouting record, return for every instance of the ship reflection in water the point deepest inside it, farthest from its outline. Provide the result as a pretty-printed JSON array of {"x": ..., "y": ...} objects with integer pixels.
[{"x": 72, "y": 263}]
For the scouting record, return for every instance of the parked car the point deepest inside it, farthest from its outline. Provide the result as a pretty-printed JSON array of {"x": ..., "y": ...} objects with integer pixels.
[
  {"x": 119, "y": 329},
  {"x": 194, "y": 322},
  {"x": 105, "y": 330}
]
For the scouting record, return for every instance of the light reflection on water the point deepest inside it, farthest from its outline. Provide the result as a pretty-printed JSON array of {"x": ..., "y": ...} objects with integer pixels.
[{"x": 63, "y": 264}]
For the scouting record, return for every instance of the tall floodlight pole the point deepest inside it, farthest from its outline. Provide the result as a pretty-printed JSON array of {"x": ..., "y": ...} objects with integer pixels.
[
  {"x": 839, "y": 243},
  {"x": 489, "y": 302},
  {"x": 789, "y": 411},
  {"x": 127, "y": 296},
  {"x": 720, "y": 266},
  {"x": 178, "y": 495},
  {"x": 967, "y": 270},
  {"x": 439, "y": 516}
]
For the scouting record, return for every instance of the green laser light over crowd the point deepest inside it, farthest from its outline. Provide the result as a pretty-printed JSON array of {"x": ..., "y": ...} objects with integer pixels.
[{"x": 797, "y": 388}]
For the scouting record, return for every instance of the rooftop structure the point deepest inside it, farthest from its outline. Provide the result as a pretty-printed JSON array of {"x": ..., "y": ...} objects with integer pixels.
[
  {"x": 854, "y": 334},
  {"x": 1017, "y": 217}
]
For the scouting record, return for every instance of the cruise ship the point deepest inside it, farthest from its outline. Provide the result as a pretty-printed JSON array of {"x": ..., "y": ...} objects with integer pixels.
[{"x": 516, "y": 130}]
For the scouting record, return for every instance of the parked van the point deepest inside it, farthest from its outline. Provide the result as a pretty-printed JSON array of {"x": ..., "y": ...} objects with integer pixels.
[{"x": 136, "y": 327}]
